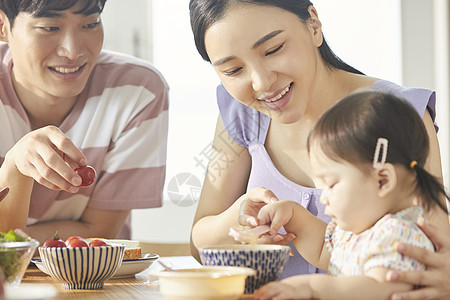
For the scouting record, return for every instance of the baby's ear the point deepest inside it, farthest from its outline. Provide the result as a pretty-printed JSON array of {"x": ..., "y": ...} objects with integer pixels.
[{"x": 387, "y": 179}]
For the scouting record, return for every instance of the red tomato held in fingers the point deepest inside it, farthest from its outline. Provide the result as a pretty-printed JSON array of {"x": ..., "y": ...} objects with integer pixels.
[
  {"x": 76, "y": 241},
  {"x": 55, "y": 241},
  {"x": 87, "y": 174},
  {"x": 98, "y": 243}
]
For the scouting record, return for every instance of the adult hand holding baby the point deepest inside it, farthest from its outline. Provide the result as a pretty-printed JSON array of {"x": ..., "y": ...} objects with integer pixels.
[{"x": 436, "y": 278}]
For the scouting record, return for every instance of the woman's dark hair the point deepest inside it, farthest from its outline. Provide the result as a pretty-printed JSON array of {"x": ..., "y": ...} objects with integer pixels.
[
  {"x": 205, "y": 13},
  {"x": 41, "y": 8},
  {"x": 350, "y": 129}
]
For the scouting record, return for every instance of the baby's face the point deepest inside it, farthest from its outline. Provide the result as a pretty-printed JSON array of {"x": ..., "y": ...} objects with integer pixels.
[{"x": 350, "y": 193}]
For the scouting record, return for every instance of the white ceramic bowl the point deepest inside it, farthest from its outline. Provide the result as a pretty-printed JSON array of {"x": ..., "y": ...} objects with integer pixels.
[
  {"x": 203, "y": 283},
  {"x": 15, "y": 258},
  {"x": 267, "y": 260},
  {"x": 82, "y": 267}
]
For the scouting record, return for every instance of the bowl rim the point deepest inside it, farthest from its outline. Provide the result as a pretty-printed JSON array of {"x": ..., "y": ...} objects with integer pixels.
[
  {"x": 245, "y": 247},
  {"x": 23, "y": 244},
  {"x": 111, "y": 245},
  {"x": 209, "y": 272}
]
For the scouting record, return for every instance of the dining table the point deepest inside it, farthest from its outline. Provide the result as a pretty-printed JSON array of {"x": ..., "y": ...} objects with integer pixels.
[{"x": 38, "y": 285}]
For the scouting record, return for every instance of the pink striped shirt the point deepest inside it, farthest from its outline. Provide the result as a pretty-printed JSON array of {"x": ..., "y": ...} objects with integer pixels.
[{"x": 120, "y": 123}]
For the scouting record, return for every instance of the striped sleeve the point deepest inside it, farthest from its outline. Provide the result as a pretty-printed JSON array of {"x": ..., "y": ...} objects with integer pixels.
[{"x": 126, "y": 128}]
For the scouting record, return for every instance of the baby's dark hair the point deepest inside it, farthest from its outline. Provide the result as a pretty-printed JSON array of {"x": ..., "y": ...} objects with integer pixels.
[
  {"x": 40, "y": 8},
  {"x": 350, "y": 130}
]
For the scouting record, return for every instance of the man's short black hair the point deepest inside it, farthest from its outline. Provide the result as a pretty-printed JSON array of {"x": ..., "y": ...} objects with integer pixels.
[{"x": 43, "y": 8}]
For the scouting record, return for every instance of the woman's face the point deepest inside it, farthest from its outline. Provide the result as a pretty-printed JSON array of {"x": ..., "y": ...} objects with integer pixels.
[{"x": 267, "y": 58}]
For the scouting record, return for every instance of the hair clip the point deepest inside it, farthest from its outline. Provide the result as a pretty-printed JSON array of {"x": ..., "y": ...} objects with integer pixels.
[
  {"x": 413, "y": 164},
  {"x": 381, "y": 143}
]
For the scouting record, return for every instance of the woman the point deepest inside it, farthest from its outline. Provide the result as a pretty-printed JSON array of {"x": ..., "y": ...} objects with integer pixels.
[{"x": 278, "y": 76}]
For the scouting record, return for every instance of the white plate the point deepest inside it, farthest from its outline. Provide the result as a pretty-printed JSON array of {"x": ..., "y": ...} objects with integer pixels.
[
  {"x": 128, "y": 268},
  {"x": 133, "y": 266},
  {"x": 30, "y": 291}
]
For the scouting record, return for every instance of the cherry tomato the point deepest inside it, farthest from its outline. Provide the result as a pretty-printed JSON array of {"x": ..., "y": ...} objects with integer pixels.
[
  {"x": 87, "y": 174},
  {"x": 76, "y": 241},
  {"x": 75, "y": 237},
  {"x": 98, "y": 243},
  {"x": 55, "y": 241}
]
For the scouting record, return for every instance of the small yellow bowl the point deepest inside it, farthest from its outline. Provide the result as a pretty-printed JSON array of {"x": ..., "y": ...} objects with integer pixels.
[{"x": 219, "y": 283}]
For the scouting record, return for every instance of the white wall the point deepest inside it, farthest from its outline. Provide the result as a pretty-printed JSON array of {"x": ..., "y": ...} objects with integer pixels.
[
  {"x": 192, "y": 113},
  {"x": 364, "y": 33},
  {"x": 425, "y": 41},
  {"x": 129, "y": 32}
]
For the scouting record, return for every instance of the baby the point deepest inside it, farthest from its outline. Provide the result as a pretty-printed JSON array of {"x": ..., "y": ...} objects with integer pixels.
[{"x": 368, "y": 154}]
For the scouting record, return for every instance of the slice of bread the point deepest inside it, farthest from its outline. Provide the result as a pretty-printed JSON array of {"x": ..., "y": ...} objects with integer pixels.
[
  {"x": 132, "y": 253},
  {"x": 132, "y": 248}
]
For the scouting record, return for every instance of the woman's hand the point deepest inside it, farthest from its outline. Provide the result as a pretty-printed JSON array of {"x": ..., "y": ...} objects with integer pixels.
[
  {"x": 49, "y": 157},
  {"x": 436, "y": 279},
  {"x": 251, "y": 205}
]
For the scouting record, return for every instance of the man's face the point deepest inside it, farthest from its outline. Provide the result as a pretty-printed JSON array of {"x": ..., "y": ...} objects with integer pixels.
[{"x": 53, "y": 56}]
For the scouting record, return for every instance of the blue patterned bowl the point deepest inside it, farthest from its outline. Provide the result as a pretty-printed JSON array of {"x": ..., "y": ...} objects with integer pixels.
[
  {"x": 82, "y": 267},
  {"x": 268, "y": 261}
]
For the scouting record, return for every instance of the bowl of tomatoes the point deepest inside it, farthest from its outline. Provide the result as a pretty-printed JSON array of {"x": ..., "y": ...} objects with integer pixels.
[{"x": 78, "y": 264}]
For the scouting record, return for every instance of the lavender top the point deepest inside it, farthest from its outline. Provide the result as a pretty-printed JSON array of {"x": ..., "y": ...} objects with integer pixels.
[{"x": 249, "y": 127}]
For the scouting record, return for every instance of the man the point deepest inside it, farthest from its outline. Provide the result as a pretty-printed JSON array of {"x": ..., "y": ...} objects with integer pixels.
[{"x": 65, "y": 103}]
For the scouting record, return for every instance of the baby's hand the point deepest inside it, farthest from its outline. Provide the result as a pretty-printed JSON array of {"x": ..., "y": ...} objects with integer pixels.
[
  {"x": 295, "y": 287},
  {"x": 276, "y": 214},
  {"x": 248, "y": 235}
]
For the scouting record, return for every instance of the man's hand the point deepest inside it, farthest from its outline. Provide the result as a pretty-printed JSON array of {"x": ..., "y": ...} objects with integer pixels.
[{"x": 49, "y": 157}]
